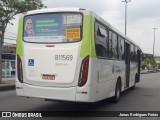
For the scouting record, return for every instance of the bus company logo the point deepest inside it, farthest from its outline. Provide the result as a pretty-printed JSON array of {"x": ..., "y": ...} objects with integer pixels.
[{"x": 6, "y": 114}]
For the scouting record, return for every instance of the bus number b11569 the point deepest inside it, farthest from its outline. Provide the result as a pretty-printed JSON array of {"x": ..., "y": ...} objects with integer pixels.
[{"x": 63, "y": 57}]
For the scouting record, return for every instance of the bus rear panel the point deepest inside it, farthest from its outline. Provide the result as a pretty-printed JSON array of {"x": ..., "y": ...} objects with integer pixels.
[{"x": 52, "y": 59}]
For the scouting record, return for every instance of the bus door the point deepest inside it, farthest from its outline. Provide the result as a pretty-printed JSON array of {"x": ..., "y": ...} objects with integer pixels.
[
  {"x": 139, "y": 63},
  {"x": 127, "y": 64}
]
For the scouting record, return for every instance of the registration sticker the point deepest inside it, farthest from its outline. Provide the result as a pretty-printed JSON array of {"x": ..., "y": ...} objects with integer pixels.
[{"x": 73, "y": 33}]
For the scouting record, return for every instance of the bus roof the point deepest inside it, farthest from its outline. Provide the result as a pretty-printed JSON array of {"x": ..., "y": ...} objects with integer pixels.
[
  {"x": 60, "y": 9},
  {"x": 84, "y": 10}
]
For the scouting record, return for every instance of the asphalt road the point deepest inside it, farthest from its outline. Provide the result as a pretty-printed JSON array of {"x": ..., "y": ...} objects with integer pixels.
[{"x": 145, "y": 97}]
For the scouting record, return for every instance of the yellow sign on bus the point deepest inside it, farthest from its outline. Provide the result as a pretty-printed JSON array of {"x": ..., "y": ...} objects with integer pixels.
[{"x": 73, "y": 33}]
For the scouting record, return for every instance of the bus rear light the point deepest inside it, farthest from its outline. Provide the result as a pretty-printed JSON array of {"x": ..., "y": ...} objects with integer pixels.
[
  {"x": 84, "y": 92},
  {"x": 19, "y": 69},
  {"x": 49, "y": 45},
  {"x": 82, "y": 9},
  {"x": 83, "y": 72}
]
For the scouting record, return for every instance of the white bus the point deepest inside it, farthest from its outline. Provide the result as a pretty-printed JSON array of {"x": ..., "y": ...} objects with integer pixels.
[{"x": 72, "y": 54}]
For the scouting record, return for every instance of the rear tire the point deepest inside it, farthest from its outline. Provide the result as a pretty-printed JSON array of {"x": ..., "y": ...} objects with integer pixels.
[
  {"x": 116, "y": 98},
  {"x": 133, "y": 87}
]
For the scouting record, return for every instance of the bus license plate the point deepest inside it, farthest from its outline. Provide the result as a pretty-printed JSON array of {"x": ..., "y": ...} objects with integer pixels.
[{"x": 48, "y": 77}]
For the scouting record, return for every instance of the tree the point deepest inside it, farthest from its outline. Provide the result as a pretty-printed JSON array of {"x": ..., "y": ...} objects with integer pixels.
[
  {"x": 10, "y": 8},
  {"x": 148, "y": 61},
  {"x": 159, "y": 65}
]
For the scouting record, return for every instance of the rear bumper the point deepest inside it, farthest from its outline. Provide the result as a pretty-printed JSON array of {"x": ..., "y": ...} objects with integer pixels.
[
  {"x": 55, "y": 93},
  {"x": 67, "y": 94}
]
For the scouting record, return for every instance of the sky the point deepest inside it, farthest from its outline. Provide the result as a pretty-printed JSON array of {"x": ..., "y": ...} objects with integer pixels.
[{"x": 142, "y": 17}]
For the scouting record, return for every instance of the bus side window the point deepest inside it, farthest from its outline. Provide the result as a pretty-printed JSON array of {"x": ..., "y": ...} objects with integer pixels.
[
  {"x": 110, "y": 45},
  {"x": 132, "y": 53},
  {"x": 120, "y": 48},
  {"x": 114, "y": 46},
  {"x": 136, "y": 56},
  {"x": 101, "y": 40}
]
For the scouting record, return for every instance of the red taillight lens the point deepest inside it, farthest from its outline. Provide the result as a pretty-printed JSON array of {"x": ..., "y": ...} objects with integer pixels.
[
  {"x": 82, "y": 9},
  {"x": 83, "y": 72},
  {"x": 19, "y": 69}
]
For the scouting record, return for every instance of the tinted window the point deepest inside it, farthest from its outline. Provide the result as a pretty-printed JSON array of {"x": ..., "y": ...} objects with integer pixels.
[
  {"x": 132, "y": 53},
  {"x": 101, "y": 32},
  {"x": 114, "y": 46},
  {"x": 136, "y": 56},
  {"x": 101, "y": 41},
  {"x": 110, "y": 45},
  {"x": 52, "y": 28},
  {"x": 121, "y": 48}
]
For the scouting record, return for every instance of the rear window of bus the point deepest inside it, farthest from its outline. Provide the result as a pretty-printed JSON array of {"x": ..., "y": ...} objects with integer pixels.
[{"x": 53, "y": 28}]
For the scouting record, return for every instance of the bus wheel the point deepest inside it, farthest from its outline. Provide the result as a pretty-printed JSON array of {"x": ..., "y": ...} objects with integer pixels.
[
  {"x": 133, "y": 87},
  {"x": 116, "y": 98}
]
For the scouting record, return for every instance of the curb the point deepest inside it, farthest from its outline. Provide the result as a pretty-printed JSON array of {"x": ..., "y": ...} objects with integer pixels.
[{"x": 7, "y": 87}]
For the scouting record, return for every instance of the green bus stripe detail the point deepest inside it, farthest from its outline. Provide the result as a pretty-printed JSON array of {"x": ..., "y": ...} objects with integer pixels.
[
  {"x": 19, "y": 38},
  {"x": 88, "y": 44}
]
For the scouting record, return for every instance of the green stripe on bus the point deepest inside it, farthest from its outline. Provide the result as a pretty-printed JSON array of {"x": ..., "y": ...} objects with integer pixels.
[
  {"x": 88, "y": 44},
  {"x": 19, "y": 38}
]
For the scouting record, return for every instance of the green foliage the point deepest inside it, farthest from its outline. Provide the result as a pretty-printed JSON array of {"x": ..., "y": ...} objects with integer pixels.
[
  {"x": 143, "y": 66},
  {"x": 159, "y": 65},
  {"x": 148, "y": 60},
  {"x": 9, "y": 8}
]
